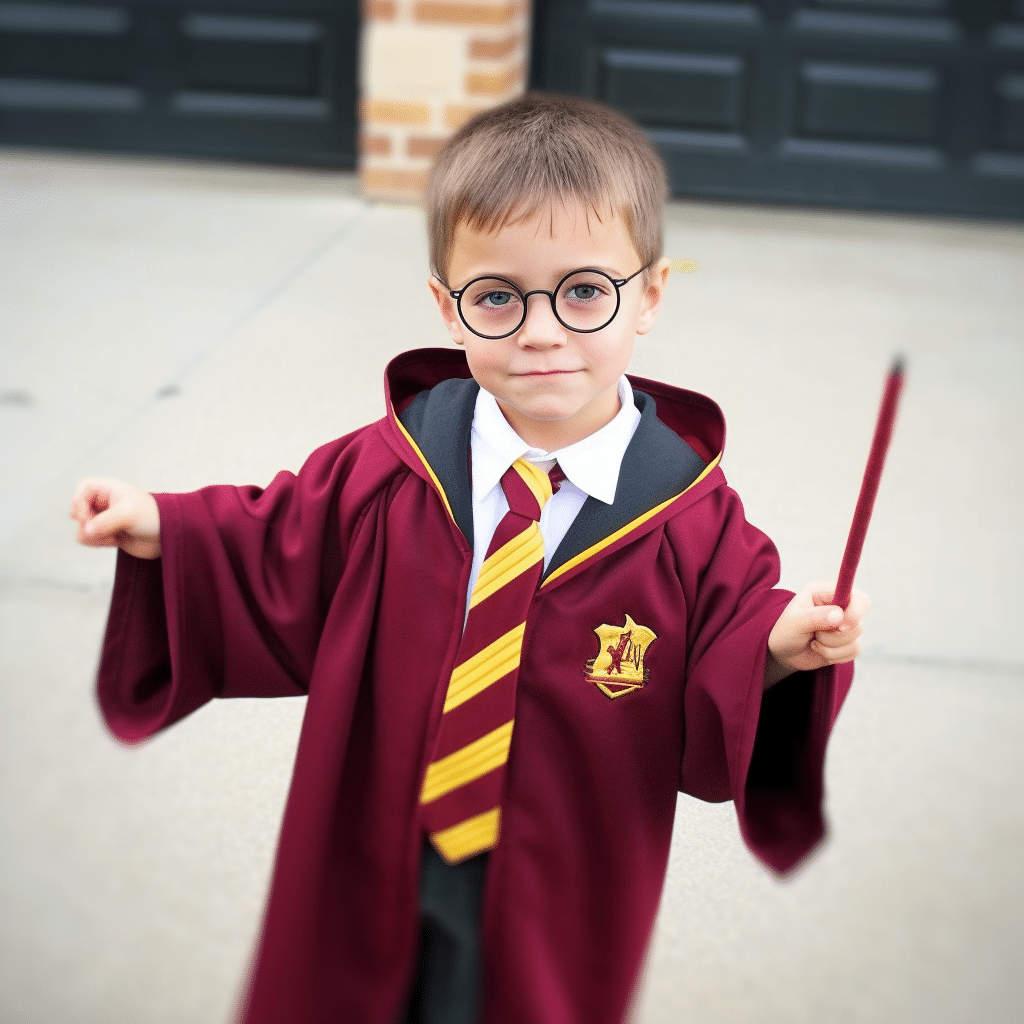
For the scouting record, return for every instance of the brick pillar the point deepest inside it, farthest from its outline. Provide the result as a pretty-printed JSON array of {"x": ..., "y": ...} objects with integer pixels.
[{"x": 426, "y": 66}]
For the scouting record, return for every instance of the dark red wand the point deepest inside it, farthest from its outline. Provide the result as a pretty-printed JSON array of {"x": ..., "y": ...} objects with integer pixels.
[{"x": 869, "y": 485}]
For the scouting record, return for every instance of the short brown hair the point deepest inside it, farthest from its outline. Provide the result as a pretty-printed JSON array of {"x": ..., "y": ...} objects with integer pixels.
[{"x": 508, "y": 162}]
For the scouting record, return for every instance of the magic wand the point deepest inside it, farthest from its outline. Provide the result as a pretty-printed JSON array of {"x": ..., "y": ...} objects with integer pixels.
[{"x": 869, "y": 485}]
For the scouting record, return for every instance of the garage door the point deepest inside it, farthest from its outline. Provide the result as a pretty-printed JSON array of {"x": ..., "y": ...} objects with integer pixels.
[
  {"x": 232, "y": 79},
  {"x": 882, "y": 104}
]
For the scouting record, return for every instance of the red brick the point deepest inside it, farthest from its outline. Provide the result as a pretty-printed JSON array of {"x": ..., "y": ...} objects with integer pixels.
[
  {"x": 374, "y": 145},
  {"x": 422, "y": 145},
  {"x": 465, "y": 14},
  {"x": 379, "y": 10},
  {"x": 494, "y": 49},
  {"x": 394, "y": 112}
]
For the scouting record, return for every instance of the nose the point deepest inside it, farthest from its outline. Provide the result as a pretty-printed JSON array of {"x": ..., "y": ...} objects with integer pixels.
[{"x": 541, "y": 329}]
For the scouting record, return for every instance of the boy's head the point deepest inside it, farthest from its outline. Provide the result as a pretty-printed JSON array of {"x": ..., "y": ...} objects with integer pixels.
[
  {"x": 545, "y": 230},
  {"x": 542, "y": 152}
]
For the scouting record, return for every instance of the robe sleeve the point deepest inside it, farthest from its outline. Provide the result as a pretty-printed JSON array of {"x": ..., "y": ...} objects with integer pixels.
[
  {"x": 235, "y": 605},
  {"x": 763, "y": 750}
]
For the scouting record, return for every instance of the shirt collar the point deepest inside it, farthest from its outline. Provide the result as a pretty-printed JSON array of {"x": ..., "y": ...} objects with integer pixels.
[{"x": 591, "y": 464}]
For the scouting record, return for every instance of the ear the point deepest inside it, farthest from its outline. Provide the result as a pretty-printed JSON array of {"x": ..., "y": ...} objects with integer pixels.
[
  {"x": 653, "y": 294},
  {"x": 449, "y": 312}
]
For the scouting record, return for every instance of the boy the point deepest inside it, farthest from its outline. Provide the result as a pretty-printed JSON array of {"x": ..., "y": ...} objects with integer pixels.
[{"x": 525, "y": 607}]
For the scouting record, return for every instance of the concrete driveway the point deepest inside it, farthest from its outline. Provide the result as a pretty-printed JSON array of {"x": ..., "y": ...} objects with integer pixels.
[{"x": 179, "y": 324}]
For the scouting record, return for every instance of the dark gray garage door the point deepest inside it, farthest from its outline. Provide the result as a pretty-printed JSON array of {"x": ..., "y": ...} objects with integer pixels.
[
  {"x": 884, "y": 104},
  {"x": 245, "y": 79}
]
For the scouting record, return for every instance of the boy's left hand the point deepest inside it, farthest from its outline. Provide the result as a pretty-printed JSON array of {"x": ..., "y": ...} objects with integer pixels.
[{"x": 811, "y": 633}]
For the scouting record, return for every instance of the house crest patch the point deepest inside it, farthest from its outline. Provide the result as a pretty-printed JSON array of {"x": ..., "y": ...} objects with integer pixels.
[{"x": 620, "y": 667}]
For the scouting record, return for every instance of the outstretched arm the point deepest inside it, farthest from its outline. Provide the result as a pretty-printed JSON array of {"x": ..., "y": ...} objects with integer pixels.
[
  {"x": 111, "y": 513},
  {"x": 812, "y": 633}
]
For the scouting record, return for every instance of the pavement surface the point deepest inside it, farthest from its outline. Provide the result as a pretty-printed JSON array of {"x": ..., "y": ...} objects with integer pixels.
[{"x": 178, "y": 324}]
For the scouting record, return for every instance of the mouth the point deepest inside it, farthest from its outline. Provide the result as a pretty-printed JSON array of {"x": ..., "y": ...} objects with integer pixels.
[{"x": 545, "y": 373}]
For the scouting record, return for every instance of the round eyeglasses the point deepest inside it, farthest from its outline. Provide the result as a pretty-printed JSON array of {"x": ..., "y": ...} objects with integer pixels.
[{"x": 584, "y": 301}]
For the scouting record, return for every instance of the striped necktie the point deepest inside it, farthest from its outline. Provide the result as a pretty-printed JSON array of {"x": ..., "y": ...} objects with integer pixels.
[{"x": 462, "y": 790}]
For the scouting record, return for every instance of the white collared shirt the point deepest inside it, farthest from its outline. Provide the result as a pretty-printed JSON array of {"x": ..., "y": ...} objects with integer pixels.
[{"x": 591, "y": 467}]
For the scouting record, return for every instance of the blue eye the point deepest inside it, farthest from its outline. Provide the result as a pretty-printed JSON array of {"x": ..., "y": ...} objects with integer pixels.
[
  {"x": 583, "y": 292},
  {"x": 494, "y": 299}
]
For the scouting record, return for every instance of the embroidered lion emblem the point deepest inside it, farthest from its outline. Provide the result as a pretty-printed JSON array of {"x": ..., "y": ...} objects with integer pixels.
[{"x": 619, "y": 666}]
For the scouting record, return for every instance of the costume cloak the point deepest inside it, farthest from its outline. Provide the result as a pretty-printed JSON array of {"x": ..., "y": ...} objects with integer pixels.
[{"x": 641, "y": 674}]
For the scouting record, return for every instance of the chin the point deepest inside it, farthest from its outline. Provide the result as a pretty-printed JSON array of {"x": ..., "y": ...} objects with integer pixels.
[{"x": 546, "y": 413}]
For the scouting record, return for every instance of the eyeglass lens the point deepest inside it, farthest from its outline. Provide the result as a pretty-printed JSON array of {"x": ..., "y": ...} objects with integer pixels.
[{"x": 585, "y": 301}]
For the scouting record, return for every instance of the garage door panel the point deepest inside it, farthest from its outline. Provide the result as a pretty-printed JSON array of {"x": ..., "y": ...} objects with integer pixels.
[
  {"x": 696, "y": 90},
  {"x": 868, "y": 102},
  {"x": 259, "y": 56},
  {"x": 90, "y": 44}
]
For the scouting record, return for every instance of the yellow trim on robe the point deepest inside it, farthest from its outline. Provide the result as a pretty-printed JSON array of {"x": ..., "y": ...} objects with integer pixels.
[{"x": 618, "y": 534}]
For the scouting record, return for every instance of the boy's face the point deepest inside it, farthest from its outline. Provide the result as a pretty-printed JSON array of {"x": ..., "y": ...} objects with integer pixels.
[{"x": 555, "y": 386}]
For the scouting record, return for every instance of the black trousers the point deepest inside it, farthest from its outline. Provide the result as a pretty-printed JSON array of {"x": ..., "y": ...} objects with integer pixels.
[{"x": 447, "y": 985}]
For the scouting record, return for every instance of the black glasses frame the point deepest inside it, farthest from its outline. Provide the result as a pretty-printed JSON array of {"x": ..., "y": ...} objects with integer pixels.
[{"x": 525, "y": 296}]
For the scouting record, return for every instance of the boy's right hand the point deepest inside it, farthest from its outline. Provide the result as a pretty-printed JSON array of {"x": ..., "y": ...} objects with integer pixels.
[{"x": 111, "y": 513}]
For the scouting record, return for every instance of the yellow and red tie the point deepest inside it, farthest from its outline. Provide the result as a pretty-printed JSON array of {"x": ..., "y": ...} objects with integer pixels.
[{"x": 462, "y": 789}]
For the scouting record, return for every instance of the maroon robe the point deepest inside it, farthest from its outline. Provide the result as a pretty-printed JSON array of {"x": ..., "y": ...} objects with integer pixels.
[{"x": 347, "y": 582}]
